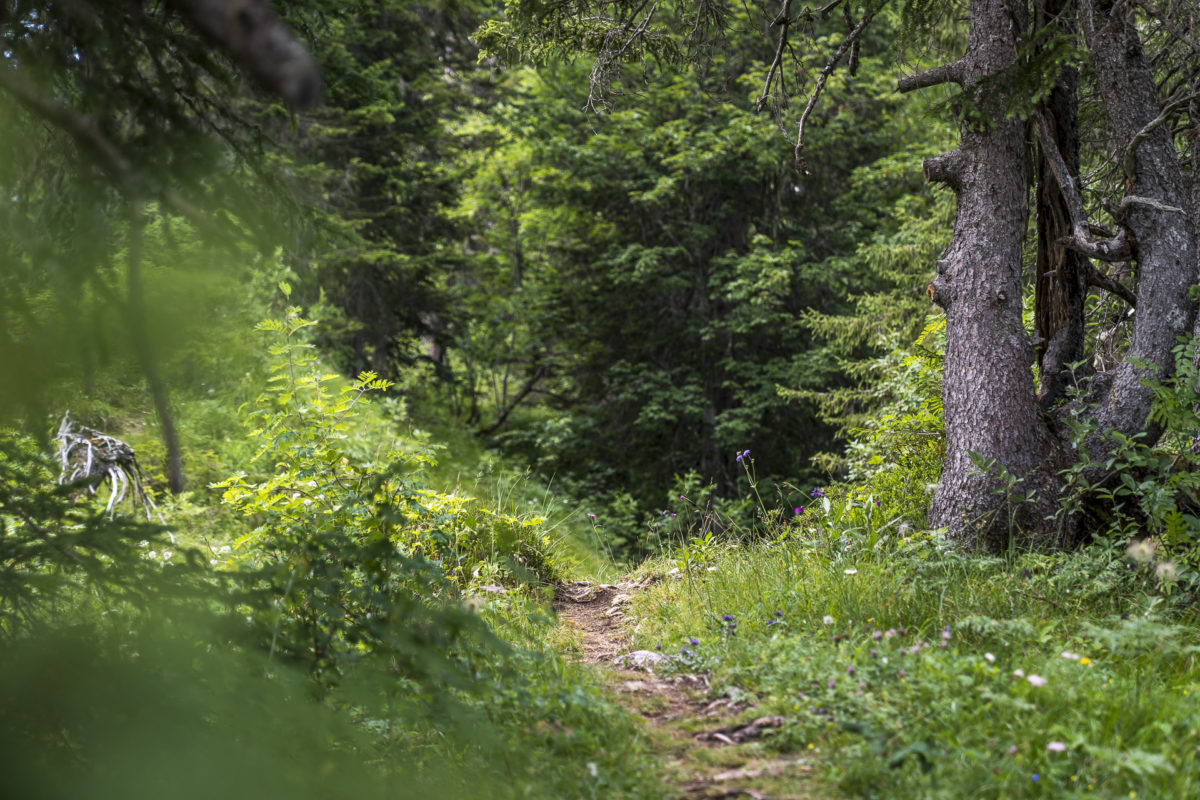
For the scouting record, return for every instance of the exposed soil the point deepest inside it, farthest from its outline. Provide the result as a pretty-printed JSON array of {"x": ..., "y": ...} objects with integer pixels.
[{"x": 713, "y": 748}]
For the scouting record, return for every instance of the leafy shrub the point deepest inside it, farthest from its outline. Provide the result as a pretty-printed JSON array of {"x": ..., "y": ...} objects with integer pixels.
[
  {"x": 362, "y": 562},
  {"x": 62, "y": 558}
]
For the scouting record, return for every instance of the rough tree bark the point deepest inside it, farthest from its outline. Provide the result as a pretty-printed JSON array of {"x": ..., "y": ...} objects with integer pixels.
[
  {"x": 1061, "y": 274},
  {"x": 990, "y": 405},
  {"x": 991, "y": 411},
  {"x": 1156, "y": 211}
]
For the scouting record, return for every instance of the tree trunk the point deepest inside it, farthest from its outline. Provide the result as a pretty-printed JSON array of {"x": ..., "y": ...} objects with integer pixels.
[
  {"x": 1060, "y": 273},
  {"x": 991, "y": 410},
  {"x": 1157, "y": 213},
  {"x": 991, "y": 413}
]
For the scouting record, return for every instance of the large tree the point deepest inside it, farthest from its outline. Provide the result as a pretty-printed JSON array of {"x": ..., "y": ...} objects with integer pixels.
[{"x": 1127, "y": 228}]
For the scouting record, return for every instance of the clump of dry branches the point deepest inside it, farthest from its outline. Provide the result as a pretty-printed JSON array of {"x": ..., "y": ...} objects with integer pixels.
[{"x": 90, "y": 458}]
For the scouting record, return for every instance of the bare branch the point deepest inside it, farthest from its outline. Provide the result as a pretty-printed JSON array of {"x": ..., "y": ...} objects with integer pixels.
[
  {"x": 1129, "y": 159},
  {"x": 1101, "y": 281},
  {"x": 529, "y": 386},
  {"x": 1115, "y": 249},
  {"x": 784, "y": 21},
  {"x": 260, "y": 42},
  {"x": 1135, "y": 200},
  {"x": 1165, "y": 21},
  {"x": 850, "y": 39},
  {"x": 946, "y": 73},
  {"x": 607, "y": 58}
]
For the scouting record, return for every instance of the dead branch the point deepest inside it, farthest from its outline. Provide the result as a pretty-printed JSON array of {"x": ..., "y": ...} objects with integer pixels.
[
  {"x": 1101, "y": 281},
  {"x": 800, "y": 164},
  {"x": 257, "y": 40},
  {"x": 784, "y": 22},
  {"x": 1115, "y": 249},
  {"x": 1128, "y": 161},
  {"x": 946, "y": 73}
]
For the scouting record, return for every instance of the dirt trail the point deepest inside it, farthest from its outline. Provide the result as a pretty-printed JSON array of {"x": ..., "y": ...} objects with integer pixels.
[{"x": 713, "y": 749}]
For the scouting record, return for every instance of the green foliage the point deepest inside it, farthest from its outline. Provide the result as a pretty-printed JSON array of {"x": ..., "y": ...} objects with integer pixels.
[
  {"x": 903, "y": 667},
  {"x": 1146, "y": 489},
  {"x": 64, "y": 561},
  {"x": 399, "y": 78},
  {"x": 354, "y": 551},
  {"x": 649, "y": 307},
  {"x": 351, "y": 641}
]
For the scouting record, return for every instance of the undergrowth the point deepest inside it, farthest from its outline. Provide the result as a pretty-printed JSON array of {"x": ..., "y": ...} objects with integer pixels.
[{"x": 338, "y": 592}]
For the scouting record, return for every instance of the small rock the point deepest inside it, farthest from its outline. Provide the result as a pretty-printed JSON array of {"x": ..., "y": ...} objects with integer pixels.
[
  {"x": 641, "y": 659},
  {"x": 745, "y": 732}
]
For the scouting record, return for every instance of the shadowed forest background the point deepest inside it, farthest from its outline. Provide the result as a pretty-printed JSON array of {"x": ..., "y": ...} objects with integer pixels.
[{"x": 413, "y": 313}]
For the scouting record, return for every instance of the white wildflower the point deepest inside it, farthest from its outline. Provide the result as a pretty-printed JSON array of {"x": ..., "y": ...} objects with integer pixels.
[{"x": 1141, "y": 552}]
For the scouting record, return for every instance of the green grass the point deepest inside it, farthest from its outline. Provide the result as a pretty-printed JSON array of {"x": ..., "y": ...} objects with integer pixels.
[{"x": 906, "y": 668}]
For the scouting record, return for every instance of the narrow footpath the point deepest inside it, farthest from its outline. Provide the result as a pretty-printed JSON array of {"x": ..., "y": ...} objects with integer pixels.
[{"x": 712, "y": 748}]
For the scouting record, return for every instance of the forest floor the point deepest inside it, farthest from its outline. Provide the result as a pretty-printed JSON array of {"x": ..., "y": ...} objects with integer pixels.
[{"x": 710, "y": 748}]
